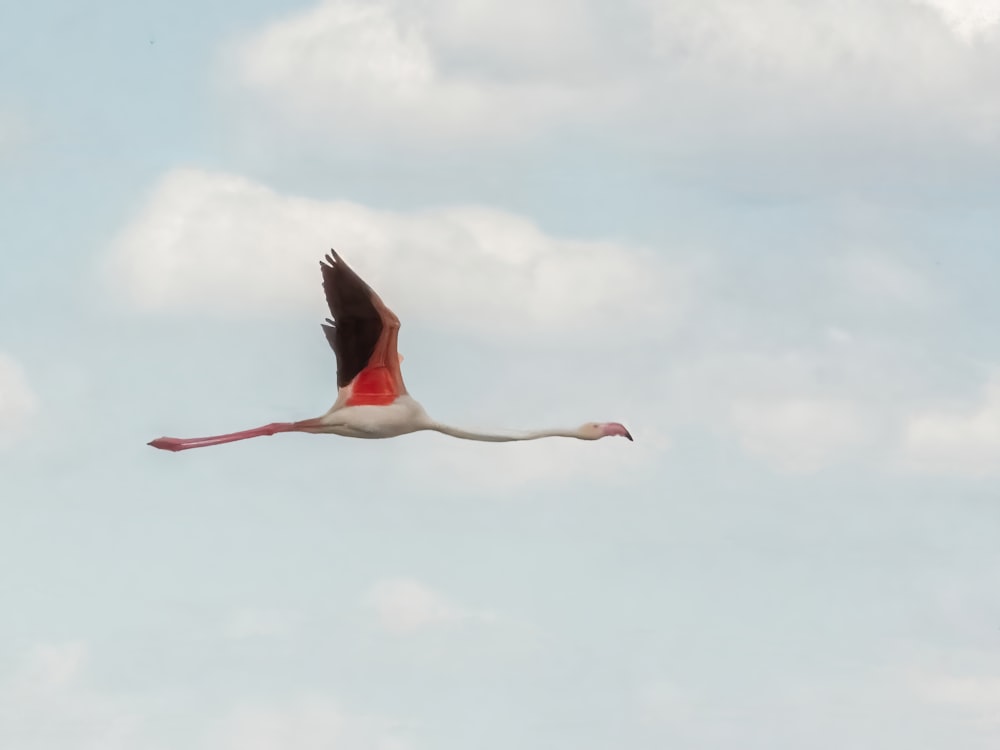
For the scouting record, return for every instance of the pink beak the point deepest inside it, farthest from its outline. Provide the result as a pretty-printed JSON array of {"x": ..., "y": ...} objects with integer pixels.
[{"x": 616, "y": 429}]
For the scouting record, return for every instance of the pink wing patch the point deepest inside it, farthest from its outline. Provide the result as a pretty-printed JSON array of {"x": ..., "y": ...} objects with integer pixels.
[{"x": 374, "y": 386}]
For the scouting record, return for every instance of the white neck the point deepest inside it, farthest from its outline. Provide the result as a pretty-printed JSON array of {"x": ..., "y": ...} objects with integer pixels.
[{"x": 505, "y": 436}]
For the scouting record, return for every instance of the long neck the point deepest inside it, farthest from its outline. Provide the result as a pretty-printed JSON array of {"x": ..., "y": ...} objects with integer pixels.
[{"x": 504, "y": 436}]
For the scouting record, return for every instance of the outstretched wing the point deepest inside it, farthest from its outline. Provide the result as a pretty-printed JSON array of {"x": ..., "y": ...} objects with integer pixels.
[{"x": 362, "y": 333}]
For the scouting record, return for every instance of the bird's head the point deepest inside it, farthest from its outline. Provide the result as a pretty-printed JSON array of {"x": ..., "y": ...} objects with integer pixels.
[{"x": 598, "y": 430}]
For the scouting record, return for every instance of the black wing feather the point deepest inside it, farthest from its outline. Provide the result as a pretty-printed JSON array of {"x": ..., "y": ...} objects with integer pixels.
[{"x": 356, "y": 324}]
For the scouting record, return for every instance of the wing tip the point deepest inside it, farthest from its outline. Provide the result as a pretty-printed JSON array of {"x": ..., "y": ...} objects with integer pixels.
[{"x": 331, "y": 259}]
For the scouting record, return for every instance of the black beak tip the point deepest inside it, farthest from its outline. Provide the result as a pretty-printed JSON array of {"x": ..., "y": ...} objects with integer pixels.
[{"x": 629, "y": 436}]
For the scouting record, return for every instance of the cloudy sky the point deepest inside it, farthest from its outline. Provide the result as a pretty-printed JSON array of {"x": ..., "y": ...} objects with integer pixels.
[{"x": 762, "y": 234}]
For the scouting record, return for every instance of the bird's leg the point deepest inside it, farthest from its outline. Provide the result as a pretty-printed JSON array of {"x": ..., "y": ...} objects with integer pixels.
[{"x": 181, "y": 444}]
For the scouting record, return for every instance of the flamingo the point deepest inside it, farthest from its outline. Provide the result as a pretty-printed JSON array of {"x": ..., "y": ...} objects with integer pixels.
[{"x": 372, "y": 401}]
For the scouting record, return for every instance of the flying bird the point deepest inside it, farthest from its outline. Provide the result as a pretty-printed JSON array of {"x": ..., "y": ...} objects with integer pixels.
[{"x": 372, "y": 401}]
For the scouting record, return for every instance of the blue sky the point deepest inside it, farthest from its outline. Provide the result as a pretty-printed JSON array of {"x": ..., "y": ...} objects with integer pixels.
[{"x": 759, "y": 234}]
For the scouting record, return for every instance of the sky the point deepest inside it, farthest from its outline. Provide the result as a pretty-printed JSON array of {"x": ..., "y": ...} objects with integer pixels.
[{"x": 760, "y": 234}]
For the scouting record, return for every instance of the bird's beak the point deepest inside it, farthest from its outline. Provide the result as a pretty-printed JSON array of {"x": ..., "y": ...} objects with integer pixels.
[
  {"x": 628, "y": 435},
  {"x": 615, "y": 428}
]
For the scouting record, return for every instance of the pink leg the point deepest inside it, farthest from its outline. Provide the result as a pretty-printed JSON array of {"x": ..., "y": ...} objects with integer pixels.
[{"x": 181, "y": 444}]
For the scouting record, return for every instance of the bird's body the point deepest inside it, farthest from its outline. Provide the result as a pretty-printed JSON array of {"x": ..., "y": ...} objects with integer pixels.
[
  {"x": 372, "y": 401},
  {"x": 401, "y": 417}
]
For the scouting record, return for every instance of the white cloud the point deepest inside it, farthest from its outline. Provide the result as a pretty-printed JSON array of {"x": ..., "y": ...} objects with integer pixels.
[
  {"x": 798, "y": 434},
  {"x": 777, "y": 372},
  {"x": 17, "y": 401},
  {"x": 798, "y": 409},
  {"x": 48, "y": 704},
  {"x": 968, "y": 18},
  {"x": 362, "y": 66},
  {"x": 976, "y": 696},
  {"x": 341, "y": 45},
  {"x": 403, "y": 605},
  {"x": 681, "y": 73},
  {"x": 52, "y": 667},
  {"x": 884, "y": 72},
  {"x": 211, "y": 242},
  {"x": 309, "y": 722},
  {"x": 961, "y": 440},
  {"x": 879, "y": 277}
]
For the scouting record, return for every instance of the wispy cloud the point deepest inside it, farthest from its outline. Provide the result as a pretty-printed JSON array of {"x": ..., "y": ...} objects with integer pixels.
[
  {"x": 961, "y": 439},
  {"x": 974, "y": 696},
  {"x": 797, "y": 408},
  {"x": 367, "y": 67},
  {"x": 52, "y": 667},
  {"x": 405, "y": 605},
  {"x": 879, "y": 278},
  {"x": 17, "y": 400},
  {"x": 776, "y": 72},
  {"x": 969, "y": 19},
  {"x": 47, "y": 704},
  {"x": 799, "y": 434},
  {"x": 208, "y": 242},
  {"x": 306, "y": 722}
]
